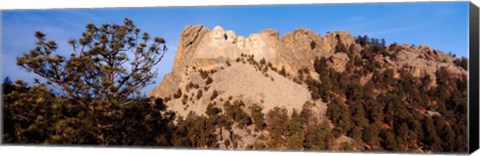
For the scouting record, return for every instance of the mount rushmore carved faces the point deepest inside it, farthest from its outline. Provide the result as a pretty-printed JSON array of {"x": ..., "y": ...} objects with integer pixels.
[
  {"x": 231, "y": 36},
  {"x": 241, "y": 42},
  {"x": 218, "y": 33}
]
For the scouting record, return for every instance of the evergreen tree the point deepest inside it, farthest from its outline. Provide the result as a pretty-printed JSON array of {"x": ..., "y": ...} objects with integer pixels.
[
  {"x": 432, "y": 139},
  {"x": 100, "y": 102},
  {"x": 257, "y": 116},
  {"x": 371, "y": 136},
  {"x": 235, "y": 113},
  {"x": 389, "y": 142},
  {"x": 295, "y": 131},
  {"x": 96, "y": 69},
  {"x": 318, "y": 137},
  {"x": 277, "y": 126}
]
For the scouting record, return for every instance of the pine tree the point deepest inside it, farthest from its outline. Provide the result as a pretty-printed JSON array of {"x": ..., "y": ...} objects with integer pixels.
[
  {"x": 389, "y": 142},
  {"x": 318, "y": 137},
  {"x": 371, "y": 136},
  {"x": 257, "y": 116},
  {"x": 235, "y": 113},
  {"x": 96, "y": 69},
  {"x": 277, "y": 126},
  {"x": 296, "y": 134},
  {"x": 100, "y": 102}
]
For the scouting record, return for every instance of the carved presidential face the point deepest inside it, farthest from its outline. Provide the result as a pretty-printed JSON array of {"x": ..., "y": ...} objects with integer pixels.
[
  {"x": 218, "y": 33},
  {"x": 248, "y": 43},
  {"x": 231, "y": 36},
  {"x": 254, "y": 39},
  {"x": 241, "y": 42}
]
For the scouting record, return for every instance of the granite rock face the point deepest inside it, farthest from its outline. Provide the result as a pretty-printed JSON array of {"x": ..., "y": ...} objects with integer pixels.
[
  {"x": 423, "y": 60},
  {"x": 202, "y": 49},
  {"x": 209, "y": 49}
]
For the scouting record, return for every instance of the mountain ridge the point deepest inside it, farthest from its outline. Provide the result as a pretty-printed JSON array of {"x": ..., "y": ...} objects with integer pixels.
[
  {"x": 331, "y": 80},
  {"x": 200, "y": 47}
]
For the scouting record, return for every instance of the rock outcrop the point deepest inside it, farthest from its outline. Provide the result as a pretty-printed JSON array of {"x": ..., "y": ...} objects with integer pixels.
[
  {"x": 218, "y": 51},
  {"x": 214, "y": 67},
  {"x": 422, "y": 60},
  {"x": 208, "y": 49}
]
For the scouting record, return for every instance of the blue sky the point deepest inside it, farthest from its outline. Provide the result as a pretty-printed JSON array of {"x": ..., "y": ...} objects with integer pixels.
[{"x": 442, "y": 25}]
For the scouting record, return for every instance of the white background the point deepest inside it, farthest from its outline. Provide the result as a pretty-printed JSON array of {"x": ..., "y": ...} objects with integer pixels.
[{"x": 83, "y": 151}]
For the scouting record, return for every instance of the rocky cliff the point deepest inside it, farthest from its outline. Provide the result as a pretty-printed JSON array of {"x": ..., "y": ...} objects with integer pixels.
[
  {"x": 202, "y": 49},
  {"x": 216, "y": 67}
]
